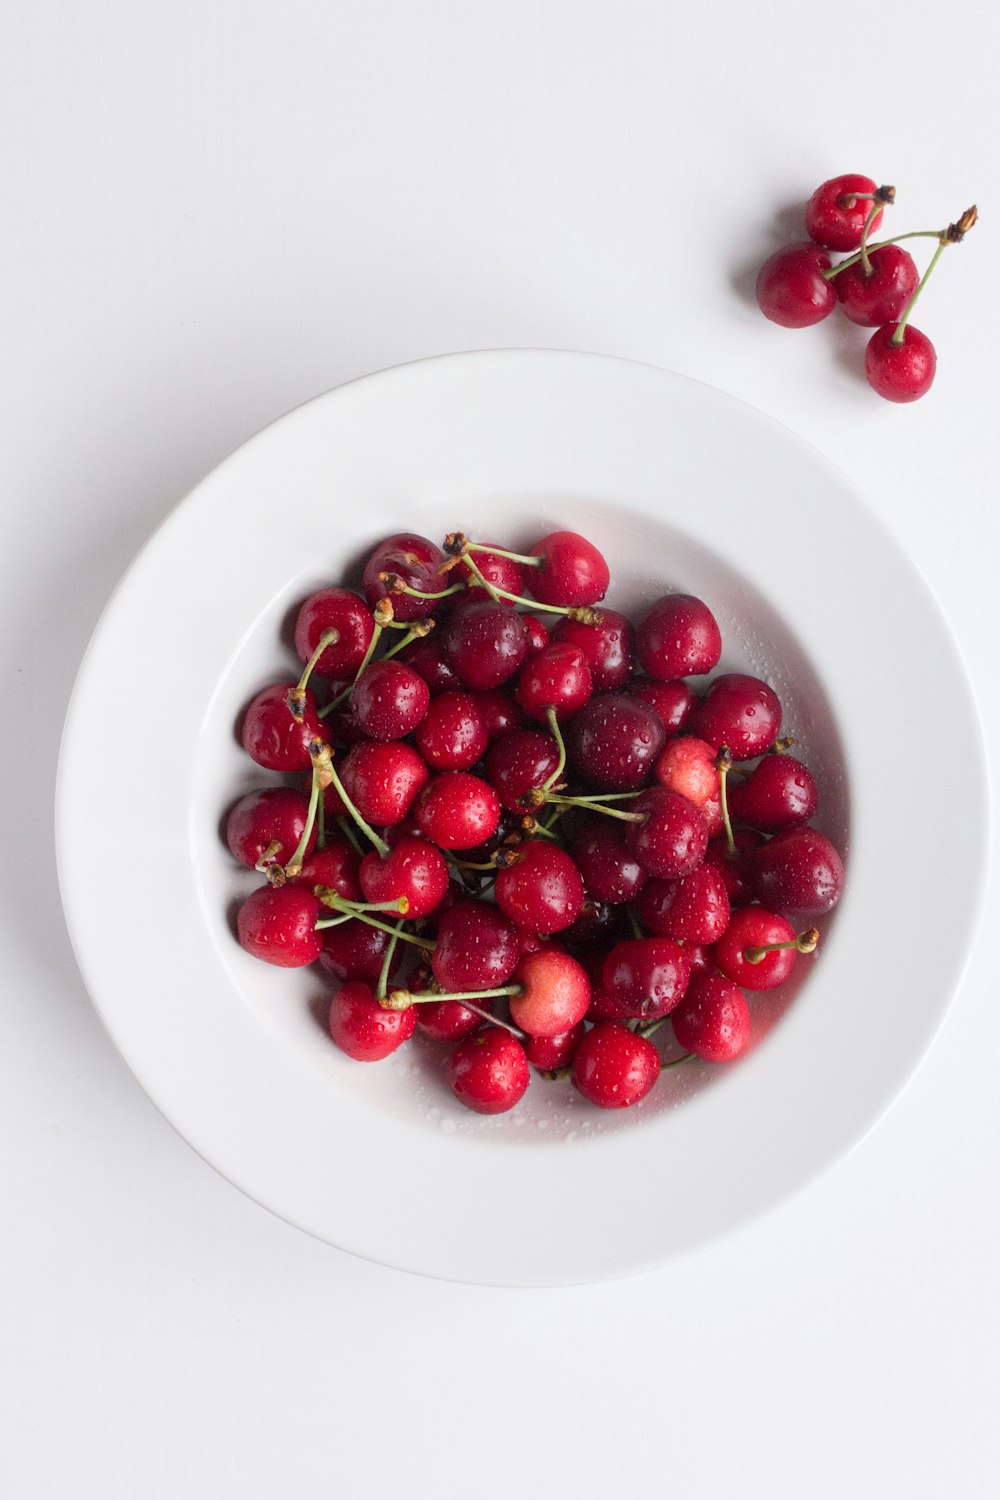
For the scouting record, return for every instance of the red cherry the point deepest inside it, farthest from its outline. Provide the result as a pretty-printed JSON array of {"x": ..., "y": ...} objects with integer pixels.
[
  {"x": 555, "y": 993},
  {"x": 540, "y": 888},
  {"x": 672, "y": 838},
  {"x": 519, "y": 762},
  {"x": 443, "y": 1020},
  {"x": 389, "y": 699},
  {"x": 779, "y": 793},
  {"x": 413, "y": 869},
  {"x": 341, "y": 610},
  {"x": 673, "y": 701},
  {"x": 499, "y": 712},
  {"x": 558, "y": 678},
  {"x": 502, "y": 572},
  {"x": 791, "y": 287},
  {"x": 646, "y": 976},
  {"x": 573, "y": 572},
  {"x": 426, "y": 655},
  {"x": 678, "y": 637},
  {"x": 476, "y": 949},
  {"x": 740, "y": 712},
  {"x": 713, "y": 1019},
  {"x": 799, "y": 871},
  {"x": 694, "y": 909},
  {"x": 738, "y": 874},
  {"x": 453, "y": 734},
  {"x": 271, "y": 736},
  {"x": 614, "y": 1068},
  {"x": 547, "y": 1052},
  {"x": 335, "y": 865},
  {"x": 414, "y": 559},
  {"x": 608, "y": 648},
  {"x": 356, "y": 950},
  {"x": 610, "y": 872},
  {"x": 900, "y": 372},
  {"x": 485, "y": 643},
  {"x": 872, "y": 300},
  {"x": 382, "y": 780},
  {"x": 362, "y": 1029},
  {"x": 488, "y": 1072},
  {"x": 277, "y": 924},
  {"x": 538, "y": 636},
  {"x": 613, "y": 742},
  {"x": 835, "y": 223},
  {"x": 599, "y": 922},
  {"x": 457, "y": 811},
  {"x": 701, "y": 958},
  {"x": 687, "y": 765},
  {"x": 268, "y": 822},
  {"x": 750, "y": 928}
]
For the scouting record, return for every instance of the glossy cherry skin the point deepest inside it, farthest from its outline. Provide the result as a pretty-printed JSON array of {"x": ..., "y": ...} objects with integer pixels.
[
  {"x": 672, "y": 838},
  {"x": 678, "y": 637},
  {"x": 335, "y": 866},
  {"x": 415, "y": 559},
  {"x": 900, "y": 372},
  {"x": 613, "y": 743},
  {"x": 503, "y": 572},
  {"x": 740, "y": 712},
  {"x": 694, "y": 909},
  {"x": 519, "y": 762},
  {"x": 879, "y": 298},
  {"x": 541, "y": 889},
  {"x": 614, "y": 1068},
  {"x": 608, "y": 648},
  {"x": 753, "y": 927},
  {"x": 646, "y": 977},
  {"x": 382, "y": 780},
  {"x": 452, "y": 735},
  {"x": 456, "y": 810},
  {"x": 488, "y": 1071},
  {"x": 272, "y": 738},
  {"x": 791, "y": 288},
  {"x": 572, "y": 573},
  {"x": 687, "y": 765},
  {"x": 278, "y": 926},
  {"x": 713, "y": 1019},
  {"x": 476, "y": 948},
  {"x": 485, "y": 643},
  {"x": 341, "y": 610},
  {"x": 356, "y": 950},
  {"x": 414, "y": 869},
  {"x": 835, "y": 225},
  {"x": 799, "y": 871},
  {"x": 499, "y": 712},
  {"x": 427, "y": 656},
  {"x": 552, "y": 1051},
  {"x": 610, "y": 872},
  {"x": 779, "y": 793},
  {"x": 389, "y": 700},
  {"x": 555, "y": 993},
  {"x": 557, "y": 677},
  {"x": 271, "y": 815},
  {"x": 360, "y": 1026},
  {"x": 673, "y": 701},
  {"x": 538, "y": 636},
  {"x": 738, "y": 874}
]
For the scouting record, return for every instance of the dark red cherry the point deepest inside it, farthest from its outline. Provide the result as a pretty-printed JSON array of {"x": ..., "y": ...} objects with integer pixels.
[
  {"x": 646, "y": 976},
  {"x": 414, "y": 559},
  {"x": 791, "y": 288},
  {"x": 613, "y": 743},
  {"x": 426, "y": 655},
  {"x": 750, "y": 928},
  {"x": 900, "y": 372},
  {"x": 335, "y": 865},
  {"x": 547, "y": 1052},
  {"x": 356, "y": 950},
  {"x": 277, "y": 924},
  {"x": 382, "y": 780},
  {"x": 341, "y": 610},
  {"x": 476, "y": 948},
  {"x": 599, "y": 922},
  {"x": 713, "y": 1019},
  {"x": 610, "y": 872},
  {"x": 608, "y": 648},
  {"x": 485, "y": 643},
  {"x": 540, "y": 888},
  {"x": 499, "y": 712},
  {"x": 390, "y": 699},
  {"x": 701, "y": 958},
  {"x": 687, "y": 765},
  {"x": 572, "y": 572},
  {"x": 740, "y": 712},
  {"x": 554, "y": 993},
  {"x": 413, "y": 869},
  {"x": 738, "y": 874},
  {"x": 673, "y": 701},
  {"x": 488, "y": 1071},
  {"x": 872, "y": 300},
  {"x": 518, "y": 762},
  {"x": 678, "y": 637},
  {"x": 341, "y": 725},
  {"x": 780, "y": 792},
  {"x": 538, "y": 636},
  {"x": 835, "y": 218},
  {"x": 672, "y": 838},
  {"x": 452, "y": 735},
  {"x": 457, "y": 810},
  {"x": 614, "y": 1068},
  {"x": 799, "y": 871},
  {"x": 694, "y": 909},
  {"x": 559, "y": 678},
  {"x": 267, "y": 823},
  {"x": 360, "y": 1026},
  {"x": 271, "y": 736}
]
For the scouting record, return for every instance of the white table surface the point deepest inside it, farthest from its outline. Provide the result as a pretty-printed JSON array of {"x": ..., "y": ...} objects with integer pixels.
[{"x": 215, "y": 210}]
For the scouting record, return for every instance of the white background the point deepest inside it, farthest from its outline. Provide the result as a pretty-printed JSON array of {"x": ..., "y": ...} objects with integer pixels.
[{"x": 215, "y": 210}]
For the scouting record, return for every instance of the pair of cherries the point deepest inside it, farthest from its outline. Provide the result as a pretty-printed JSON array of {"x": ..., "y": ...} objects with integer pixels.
[
  {"x": 538, "y": 811},
  {"x": 876, "y": 286}
]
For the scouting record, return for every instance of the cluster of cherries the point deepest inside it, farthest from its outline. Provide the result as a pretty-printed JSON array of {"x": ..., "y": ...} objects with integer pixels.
[
  {"x": 535, "y": 833},
  {"x": 877, "y": 285}
]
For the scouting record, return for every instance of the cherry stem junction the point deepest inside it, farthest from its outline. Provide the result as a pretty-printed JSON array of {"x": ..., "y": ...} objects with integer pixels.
[
  {"x": 325, "y": 771},
  {"x": 556, "y": 732},
  {"x": 805, "y": 942},
  {"x": 297, "y": 697}
]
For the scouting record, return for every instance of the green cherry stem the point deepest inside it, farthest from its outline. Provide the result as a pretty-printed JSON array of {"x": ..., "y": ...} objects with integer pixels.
[
  {"x": 556, "y": 732},
  {"x": 346, "y": 912},
  {"x": 297, "y": 697},
  {"x": 805, "y": 942},
  {"x": 413, "y": 633},
  {"x": 953, "y": 235},
  {"x": 383, "y": 978},
  {"x": 852, "y": 260},
  {"x": 724, "y": 764},
  {"x": 595, "y": 806},
  {"x": 584, "y": 613},
  {"x": 294, "y": 865},
  {"x": 675, "y": 1062},
  {"x": 349, "y": 689},
  {"x": 526, "y": 559},
  {"x": 397, "y": 585},
  {"x": 347, "y": 829},
  {"x": 403, "y": 999},
  {"x": 863, "y": 249},
  {"x": 325, "y": 770}
]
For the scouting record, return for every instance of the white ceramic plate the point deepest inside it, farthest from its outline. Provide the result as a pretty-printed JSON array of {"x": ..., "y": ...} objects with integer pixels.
[{"x": 681, "y": 487}]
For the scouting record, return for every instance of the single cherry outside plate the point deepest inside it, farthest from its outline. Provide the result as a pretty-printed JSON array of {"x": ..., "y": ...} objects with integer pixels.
[{"x": 682, "y": 488}]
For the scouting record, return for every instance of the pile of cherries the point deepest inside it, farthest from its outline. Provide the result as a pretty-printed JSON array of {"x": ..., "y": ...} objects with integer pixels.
[
  {"x": 525, "y": 836},
  {"x": 876, "y": 286}
]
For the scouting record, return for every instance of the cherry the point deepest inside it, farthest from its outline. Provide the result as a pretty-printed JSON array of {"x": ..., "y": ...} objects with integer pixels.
[
  {"x": 362, "y": 1029},
  {"x": 672, "y": 837},
  {"x": 740, "y": 712},
  {"x": 551, "y": 1052},
  {"x": 688, "y": 766},
  {"x": 610, "y": 872},
  {"x": 614, "y": 741},
  {"x": 572, "y": 571},
  {"x": 413, "y": 559},
  {"x": 356, "y": 950},
  {"x": 496, "y": 567},
  {"x": 835, "y": 217},
  {"x": 499, "y": 713},
  {"x": 614, "y": 1068},
  {"x": 678, "y": 637},
  {"x": 700, "y": 956},
  {"x": 485, "y": 643},
  {"x": 334, "y": 866},
  {"x": 382, "y": 780},
  {"x": 646, "y": 976},
  {"x": 879, "y": 296},
  {"x": 608, "y": 647},
  {"x": 456, "y": 810},
  {"x": 442, "y": 1020},
  {"x": 265, "y": 826},
  {"x": 673, "y": 701},
  {"x": 427, "y": 656},
  {"x": 713, "y": 1019},
  {"x": 738, "y": 873},
  {"x": 900, "y": 372},
  {"x": 779, "y": 793},
  {"x": 739, "y": 952},
  {"x": 538, "y": 636},
  {"x": 520, "y": 761},
  {"x": 554, "y": 993},
  {"x": 476, "y": 949},
  {"x": 488, "y": 1071},
  {"x": 452, "y": 735},
  {"x": 540, "y": 887},
  {"x": 390, "y": 699},
  {"x": 346, "y": 613},
  {"x": 694, "y": 909},
  {"x": 799, "y": 870},
  {"x": 791, "y": 287},
  {"x": 278, "y": 925},
  {"x": 271, "y": 735},
  {"x": 557, "y": 678},
  {"x": 413, "y": 869}
]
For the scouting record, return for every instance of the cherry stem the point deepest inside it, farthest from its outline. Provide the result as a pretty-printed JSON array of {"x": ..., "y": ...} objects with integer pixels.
[
  {"x": 412, "y": 634},
  {"x": 595, "y": 806},
  {"x": 336, "y": 903},
  {"x": 383, "y": 978},
  {"x": 328, "y": 638},
  {"x": 584, "y": 613},
  {"x": 676, "y": 1061},
  {"x": 553, "y": 719},
  {"x": 326, "y": 771},
  {"x": 527, "y": 559},
  {"x": 875, "y": 209},
  {"x": 852, "y": 260},
  {"x": 346, "y": 828},
  {"x": 898, "y": 336},
  {"x": 294, "y": 865},
  {"x": 349, "y": 689},
  {"x": 724, "y": 764},
  {"x": 805, "y": 942},
  {"x": 403, "y": 999},
  {"x": 268, "y": 859},
  {"x": 398, "y": 585},
  {"x": 633, "y": 922}
]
